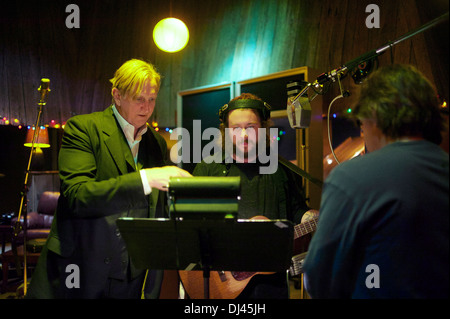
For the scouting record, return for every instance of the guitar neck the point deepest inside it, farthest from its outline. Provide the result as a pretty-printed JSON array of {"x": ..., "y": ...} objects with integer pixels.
[{"x": 305, "y": 228}]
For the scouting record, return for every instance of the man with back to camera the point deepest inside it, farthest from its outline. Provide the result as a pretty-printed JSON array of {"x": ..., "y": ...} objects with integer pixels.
[{"x": 383, "y": 230}]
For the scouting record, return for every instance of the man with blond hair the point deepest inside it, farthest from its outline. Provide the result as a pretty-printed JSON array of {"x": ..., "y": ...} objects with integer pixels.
[{"x": 111, "y": 165}]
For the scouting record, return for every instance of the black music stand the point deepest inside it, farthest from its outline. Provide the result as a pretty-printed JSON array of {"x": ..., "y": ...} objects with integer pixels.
[
  {"x": 221, "y": 245},
  {"x": 204, "y": 197}
]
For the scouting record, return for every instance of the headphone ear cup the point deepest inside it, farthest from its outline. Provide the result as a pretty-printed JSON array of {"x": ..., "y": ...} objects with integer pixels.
[{"x": 222, "y": 112}]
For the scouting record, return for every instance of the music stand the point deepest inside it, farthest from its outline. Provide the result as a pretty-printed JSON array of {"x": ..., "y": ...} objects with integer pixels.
[
  {"x": 220, "y": 245},
  {"x": 204, "y": 197}
]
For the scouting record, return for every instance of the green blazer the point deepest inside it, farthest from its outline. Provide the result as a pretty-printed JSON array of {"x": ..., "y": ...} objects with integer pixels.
[{"x": 100, "y": 182}]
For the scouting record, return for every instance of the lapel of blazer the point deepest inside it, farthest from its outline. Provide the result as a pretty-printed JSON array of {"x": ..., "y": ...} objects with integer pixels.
[
  {"x": 149, "y": 152},
  {"x": 116, "y": 143}
]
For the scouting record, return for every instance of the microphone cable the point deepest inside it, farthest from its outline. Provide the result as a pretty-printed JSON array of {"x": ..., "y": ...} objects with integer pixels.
[{"x": 328, "y": 126}]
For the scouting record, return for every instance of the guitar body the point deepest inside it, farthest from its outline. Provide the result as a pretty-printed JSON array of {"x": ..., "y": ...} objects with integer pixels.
[{"x": 222, "y": 284}]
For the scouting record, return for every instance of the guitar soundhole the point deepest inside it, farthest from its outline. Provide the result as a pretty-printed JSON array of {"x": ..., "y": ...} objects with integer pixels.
[{"x": 241, "y": 275}]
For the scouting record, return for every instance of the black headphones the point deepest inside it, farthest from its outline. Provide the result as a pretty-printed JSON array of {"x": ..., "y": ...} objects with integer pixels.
[{"x": 262, "y": 107}]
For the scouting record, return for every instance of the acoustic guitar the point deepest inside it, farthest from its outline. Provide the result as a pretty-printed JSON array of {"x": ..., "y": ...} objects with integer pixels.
[{"x": 229, "y": 284}]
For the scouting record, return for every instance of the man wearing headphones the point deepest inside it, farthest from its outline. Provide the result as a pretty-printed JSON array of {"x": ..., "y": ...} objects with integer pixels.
[{"x": 278, "y": 195}]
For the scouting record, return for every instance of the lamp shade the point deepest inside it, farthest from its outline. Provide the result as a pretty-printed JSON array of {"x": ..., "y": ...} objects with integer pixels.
[
  {"x": 171, "y": 35},
  {"x": 41, "y": 141}
]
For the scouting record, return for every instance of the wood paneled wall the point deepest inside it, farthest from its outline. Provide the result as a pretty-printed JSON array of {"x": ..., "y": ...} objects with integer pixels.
[{"x": 229, "y": 41}]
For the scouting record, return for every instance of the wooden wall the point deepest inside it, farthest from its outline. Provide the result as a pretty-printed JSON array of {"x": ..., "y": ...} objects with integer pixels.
[{"x": 230, "y": 41}]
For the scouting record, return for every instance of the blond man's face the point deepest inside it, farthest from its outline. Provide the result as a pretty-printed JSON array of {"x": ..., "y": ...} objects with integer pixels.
[{"x": 137, "y": 110}]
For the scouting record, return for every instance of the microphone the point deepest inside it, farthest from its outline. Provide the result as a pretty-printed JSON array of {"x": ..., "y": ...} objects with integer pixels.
[
  {"x": 299, "y": 112},
  {"x": 298, "y": 107},
  {"x": 44, "y": 89}
]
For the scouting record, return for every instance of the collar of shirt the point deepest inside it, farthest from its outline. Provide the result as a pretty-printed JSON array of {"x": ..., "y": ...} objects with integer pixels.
[{"x": 128, "y": 130}]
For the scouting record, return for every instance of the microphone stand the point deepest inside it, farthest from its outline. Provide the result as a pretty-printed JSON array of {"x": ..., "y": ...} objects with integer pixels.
[{"x": 23, "y": 200}]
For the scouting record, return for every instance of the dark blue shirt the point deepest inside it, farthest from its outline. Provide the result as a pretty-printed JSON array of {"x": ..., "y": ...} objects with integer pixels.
[{"x": 383, "y": 228}]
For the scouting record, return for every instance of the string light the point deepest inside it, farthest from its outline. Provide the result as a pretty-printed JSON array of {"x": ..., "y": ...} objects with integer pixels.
[{"x": 4, "y": 120}]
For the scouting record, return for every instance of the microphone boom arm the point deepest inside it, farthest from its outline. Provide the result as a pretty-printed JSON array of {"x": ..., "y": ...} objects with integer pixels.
[
  {"x": 374, "y": 53},
  {"x": 341, "y": 72}
]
